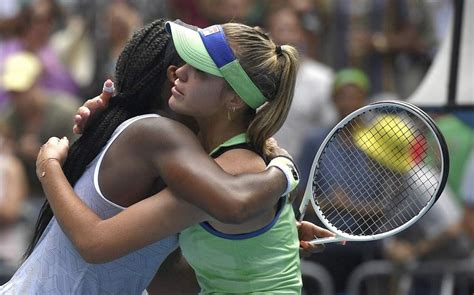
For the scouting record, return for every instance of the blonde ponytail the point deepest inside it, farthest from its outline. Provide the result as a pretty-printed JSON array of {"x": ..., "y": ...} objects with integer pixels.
[{"x": 273, "y": 70}]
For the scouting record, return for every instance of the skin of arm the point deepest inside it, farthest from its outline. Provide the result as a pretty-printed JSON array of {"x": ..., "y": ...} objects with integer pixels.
[
  {"x": 100, "y": 241},
  {"x": 231, "y": 199},
  {"x": 227, "y": 198},
  {"x": 94, "y": 238}
]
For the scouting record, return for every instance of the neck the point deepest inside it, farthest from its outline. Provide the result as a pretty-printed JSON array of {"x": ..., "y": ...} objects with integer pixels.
[
  {"x": 215, "y": 131},
  {"x": 185, "y": 120}
]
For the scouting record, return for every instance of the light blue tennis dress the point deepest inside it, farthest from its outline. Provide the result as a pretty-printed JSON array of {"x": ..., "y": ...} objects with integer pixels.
[{"x": 55, "y": 267}]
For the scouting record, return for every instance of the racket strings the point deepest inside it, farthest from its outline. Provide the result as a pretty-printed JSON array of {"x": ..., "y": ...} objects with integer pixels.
[{"x": 380, "y": 170}]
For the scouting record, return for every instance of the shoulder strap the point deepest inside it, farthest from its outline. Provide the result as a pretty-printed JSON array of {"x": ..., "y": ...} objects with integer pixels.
[{"x": 237, "y": 142}]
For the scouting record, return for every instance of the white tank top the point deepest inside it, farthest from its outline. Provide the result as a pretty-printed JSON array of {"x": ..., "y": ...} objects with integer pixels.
[{"x": 55, "y": 267}]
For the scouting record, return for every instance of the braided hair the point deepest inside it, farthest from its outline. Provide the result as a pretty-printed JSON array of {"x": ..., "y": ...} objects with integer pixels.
[{"x": 140, "y": 74}]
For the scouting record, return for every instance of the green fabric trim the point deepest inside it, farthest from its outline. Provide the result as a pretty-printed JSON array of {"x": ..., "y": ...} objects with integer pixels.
[
  {"x": 238, "y": 139},
  {"x": 238, "y": 79},
  {"x": 249, "y": 266}
]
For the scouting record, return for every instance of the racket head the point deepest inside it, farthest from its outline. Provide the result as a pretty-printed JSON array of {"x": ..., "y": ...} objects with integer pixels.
[{"x": 405, "y": 168}]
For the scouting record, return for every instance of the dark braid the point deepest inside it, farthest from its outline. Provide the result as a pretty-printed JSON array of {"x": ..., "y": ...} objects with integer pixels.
[{"x": 140, "y": 73}]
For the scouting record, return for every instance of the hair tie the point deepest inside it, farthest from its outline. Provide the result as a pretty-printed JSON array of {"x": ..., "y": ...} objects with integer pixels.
[{"x": 278, "y": 50}]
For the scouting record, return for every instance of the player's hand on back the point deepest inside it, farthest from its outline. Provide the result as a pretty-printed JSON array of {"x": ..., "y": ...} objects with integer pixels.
[
  {"x": 272, "y": 150},
  {"x": 93, "y": 107}
]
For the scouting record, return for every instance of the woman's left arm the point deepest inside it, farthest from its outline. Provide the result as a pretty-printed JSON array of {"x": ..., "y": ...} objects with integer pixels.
[{"x": 100, "y": 241}]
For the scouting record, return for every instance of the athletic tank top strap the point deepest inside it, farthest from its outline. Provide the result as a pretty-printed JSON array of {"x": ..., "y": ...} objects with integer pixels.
[
  {"x": 114, "y": 136},
  {"x": 239, "y": 141}
]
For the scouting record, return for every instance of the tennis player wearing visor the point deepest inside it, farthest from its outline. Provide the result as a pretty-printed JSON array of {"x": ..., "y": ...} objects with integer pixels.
[{"x": 260, "y": 256}]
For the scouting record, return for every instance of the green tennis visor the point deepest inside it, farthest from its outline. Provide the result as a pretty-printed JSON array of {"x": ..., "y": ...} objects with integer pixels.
[{"x": 207, "y": 50}]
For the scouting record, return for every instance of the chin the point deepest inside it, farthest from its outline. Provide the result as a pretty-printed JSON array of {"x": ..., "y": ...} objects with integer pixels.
[
  {"x": 176, "y": 107},
  {"x": 172, "y": 103}
]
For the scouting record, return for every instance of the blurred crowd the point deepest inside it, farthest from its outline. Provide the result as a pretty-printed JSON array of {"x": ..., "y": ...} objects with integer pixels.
[{"x": 55, "y": 54}]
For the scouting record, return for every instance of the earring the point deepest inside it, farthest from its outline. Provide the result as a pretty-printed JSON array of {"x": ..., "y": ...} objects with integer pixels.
[{"x": 229, "y": 117}]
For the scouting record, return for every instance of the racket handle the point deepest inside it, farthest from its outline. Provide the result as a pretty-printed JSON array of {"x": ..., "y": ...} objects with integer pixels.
[{"x": 326, "y": 240}]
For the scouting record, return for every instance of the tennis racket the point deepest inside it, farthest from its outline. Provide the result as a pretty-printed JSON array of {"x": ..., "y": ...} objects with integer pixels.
[{"x": 377, "y": 172}]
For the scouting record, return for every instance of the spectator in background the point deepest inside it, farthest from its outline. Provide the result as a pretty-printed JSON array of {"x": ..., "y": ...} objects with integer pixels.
[
  {"x": 443, "y": 233},
  {"x": 436, "y": 236},
  {"x": 189, "y": 11},
  {"x": 468, "y": 195},
  {"x": 95, "y": 29},
  {"x": 467, "y": 220},
  {"x": 459, "y": 135},
  {"x": 121, "y": 20},
  {"x": 349, "y": 92},
  {"x": 13, "y": 192},
  {"x": 224, "y": 11},
  {"x": 8, "y": 9},
  {"x": 311, "y": 108},
  {"x": 34, "y": 25},
  {"x": 390, "y": 40},
  {"x": 75, "y": 48},
  {"x": 314, "y": 22},
  {"x": 35, "y": 113}
]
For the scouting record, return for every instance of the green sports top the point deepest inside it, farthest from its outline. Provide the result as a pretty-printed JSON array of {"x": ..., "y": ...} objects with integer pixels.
[{"x": 265, "y": 261}]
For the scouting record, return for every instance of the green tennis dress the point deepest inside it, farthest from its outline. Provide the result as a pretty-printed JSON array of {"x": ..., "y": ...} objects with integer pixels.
[{"x": 265, "y": 261}]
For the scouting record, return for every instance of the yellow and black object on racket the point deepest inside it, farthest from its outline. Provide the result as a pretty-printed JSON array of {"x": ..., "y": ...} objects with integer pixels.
[{"x": 377, "y": 172}]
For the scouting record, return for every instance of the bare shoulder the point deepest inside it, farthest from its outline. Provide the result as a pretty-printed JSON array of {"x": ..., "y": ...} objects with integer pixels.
[
  {"x": 159, "y": 132},
  {"x": 149, "y": 141},
  {"x": 146, "y": 148},
  {"x": 239, "y": 161}
]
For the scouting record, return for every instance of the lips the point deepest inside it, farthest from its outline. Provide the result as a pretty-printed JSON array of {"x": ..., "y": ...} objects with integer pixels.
[{"x": 176, "y": 93}]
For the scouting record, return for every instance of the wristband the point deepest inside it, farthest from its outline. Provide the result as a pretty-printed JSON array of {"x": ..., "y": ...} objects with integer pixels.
[{"x": 288, "y": 168}]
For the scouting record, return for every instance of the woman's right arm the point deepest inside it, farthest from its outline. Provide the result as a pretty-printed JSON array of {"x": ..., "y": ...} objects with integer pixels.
[{"x": 98, "y": 240}]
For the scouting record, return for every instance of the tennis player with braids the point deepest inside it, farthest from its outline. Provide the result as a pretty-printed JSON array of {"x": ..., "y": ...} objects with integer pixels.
[
  {"x": 230, "y": 129},
  {"x": 54, "y": 266}
]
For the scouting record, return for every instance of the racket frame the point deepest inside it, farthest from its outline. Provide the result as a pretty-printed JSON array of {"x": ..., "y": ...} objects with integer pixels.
[{"x": 308, "y": 194}]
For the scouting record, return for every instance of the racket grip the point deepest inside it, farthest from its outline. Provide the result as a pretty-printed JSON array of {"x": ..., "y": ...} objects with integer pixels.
[{"x": 326, "y": 240}]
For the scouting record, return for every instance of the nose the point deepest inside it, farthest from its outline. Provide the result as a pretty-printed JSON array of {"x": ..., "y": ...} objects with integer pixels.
[{"x": 182, "y": 73}]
